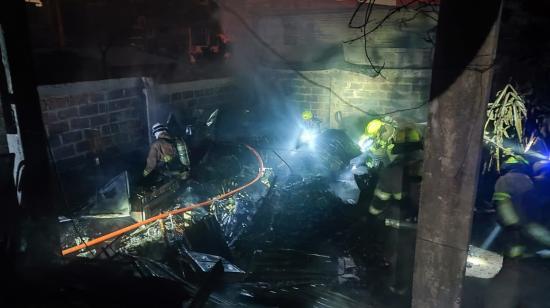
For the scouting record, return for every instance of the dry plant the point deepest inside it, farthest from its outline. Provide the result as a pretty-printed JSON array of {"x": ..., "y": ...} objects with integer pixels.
[{"x": 505, "y": 116}]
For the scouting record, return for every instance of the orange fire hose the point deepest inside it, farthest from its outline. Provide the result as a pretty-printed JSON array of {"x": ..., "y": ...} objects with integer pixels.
[{"x": 118, "y": 232}]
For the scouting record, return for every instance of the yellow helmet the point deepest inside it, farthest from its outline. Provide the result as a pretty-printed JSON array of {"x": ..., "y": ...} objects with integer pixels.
[
  {"x": 373, "y": 127},
  {"x": 307, "y": 115}
]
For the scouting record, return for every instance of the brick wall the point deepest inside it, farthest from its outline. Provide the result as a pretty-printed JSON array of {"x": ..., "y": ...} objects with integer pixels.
[
  {"x": 398, "y": 89},
  {"x": 313, "y": 32},
  {"x": 72, "y": 113},
  {"x": 311, "y": 35},
  {"x": 200, "y": 97}
]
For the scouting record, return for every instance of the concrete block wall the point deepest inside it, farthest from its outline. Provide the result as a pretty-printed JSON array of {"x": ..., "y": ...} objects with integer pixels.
[
  {"x": 200, "y": 97},
  {"x": 300, "y": 92},
  {"x": 114, "y": 109},
  {"x": 396, "y": 89},
  {"x": 315, "y": 31}
]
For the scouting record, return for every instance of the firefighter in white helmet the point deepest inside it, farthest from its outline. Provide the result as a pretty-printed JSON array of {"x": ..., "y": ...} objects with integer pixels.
[{"x": 167, "y": 155}]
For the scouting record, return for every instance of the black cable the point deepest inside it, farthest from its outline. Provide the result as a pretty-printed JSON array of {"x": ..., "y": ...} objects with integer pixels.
[
  {"x": 378, "y": 71},
  {"x": 379, "y": 24},
  {"x": 301, "y": 75},
  {"x": 350, "y": 22},
  {"x": 284, "y": 161}
]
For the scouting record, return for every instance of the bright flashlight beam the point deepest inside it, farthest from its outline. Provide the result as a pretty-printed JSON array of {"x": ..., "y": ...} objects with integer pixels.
[{"x": 307, "y": 136}]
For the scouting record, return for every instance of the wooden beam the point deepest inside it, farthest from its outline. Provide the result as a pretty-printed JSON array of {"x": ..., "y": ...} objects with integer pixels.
[{"x": 462, "y": 72}]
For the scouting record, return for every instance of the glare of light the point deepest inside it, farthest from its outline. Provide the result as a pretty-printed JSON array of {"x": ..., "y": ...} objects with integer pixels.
[
  {"x": 307, "y": 136},
  {"x": 476, "y": 261}
]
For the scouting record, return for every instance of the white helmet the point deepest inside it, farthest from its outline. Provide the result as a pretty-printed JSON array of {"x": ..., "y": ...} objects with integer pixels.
[{"x": 158, "y": 128}]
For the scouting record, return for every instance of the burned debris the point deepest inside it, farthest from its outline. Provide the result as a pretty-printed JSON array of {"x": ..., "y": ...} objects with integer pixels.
[{"x": 285, "y": 153}]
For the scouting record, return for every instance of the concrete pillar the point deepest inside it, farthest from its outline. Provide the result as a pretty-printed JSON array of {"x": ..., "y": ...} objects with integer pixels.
[{"x": 467, "y": 37}]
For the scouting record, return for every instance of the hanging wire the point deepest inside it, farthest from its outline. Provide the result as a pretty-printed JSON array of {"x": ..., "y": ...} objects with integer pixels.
[{"x": 287, "y": 63}]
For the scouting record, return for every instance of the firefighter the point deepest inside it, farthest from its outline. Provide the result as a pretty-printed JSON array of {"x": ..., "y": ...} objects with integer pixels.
[
  {"x": 394, "y": 148},
  {"x": 394, "y": 153},
  {"x": 310, "y": 128},
  {"x": 310, "y": 122},
  {"x": 520, "y": 197},
  {"x": 167, "y": 155}
]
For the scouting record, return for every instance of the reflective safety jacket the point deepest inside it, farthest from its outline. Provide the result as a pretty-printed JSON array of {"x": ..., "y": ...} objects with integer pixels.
[
  {"x": 388, "y": 146},
  {"x": 167, "y": 155},
  {"x": 398, "y": 153}
]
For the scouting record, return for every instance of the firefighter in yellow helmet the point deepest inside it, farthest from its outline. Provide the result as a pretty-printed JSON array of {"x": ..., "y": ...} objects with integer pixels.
[
  {"x": 394, "y": 150},
  {"x": 309, "y": 121},
  {"x": 310, "y": 128},
  {"x": 307, "y": 115},
  {"x": 393, "y": 147}
]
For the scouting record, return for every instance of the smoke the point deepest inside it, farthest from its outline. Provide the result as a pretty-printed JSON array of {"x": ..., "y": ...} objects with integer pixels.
[{"x": 259, "y": 47}]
